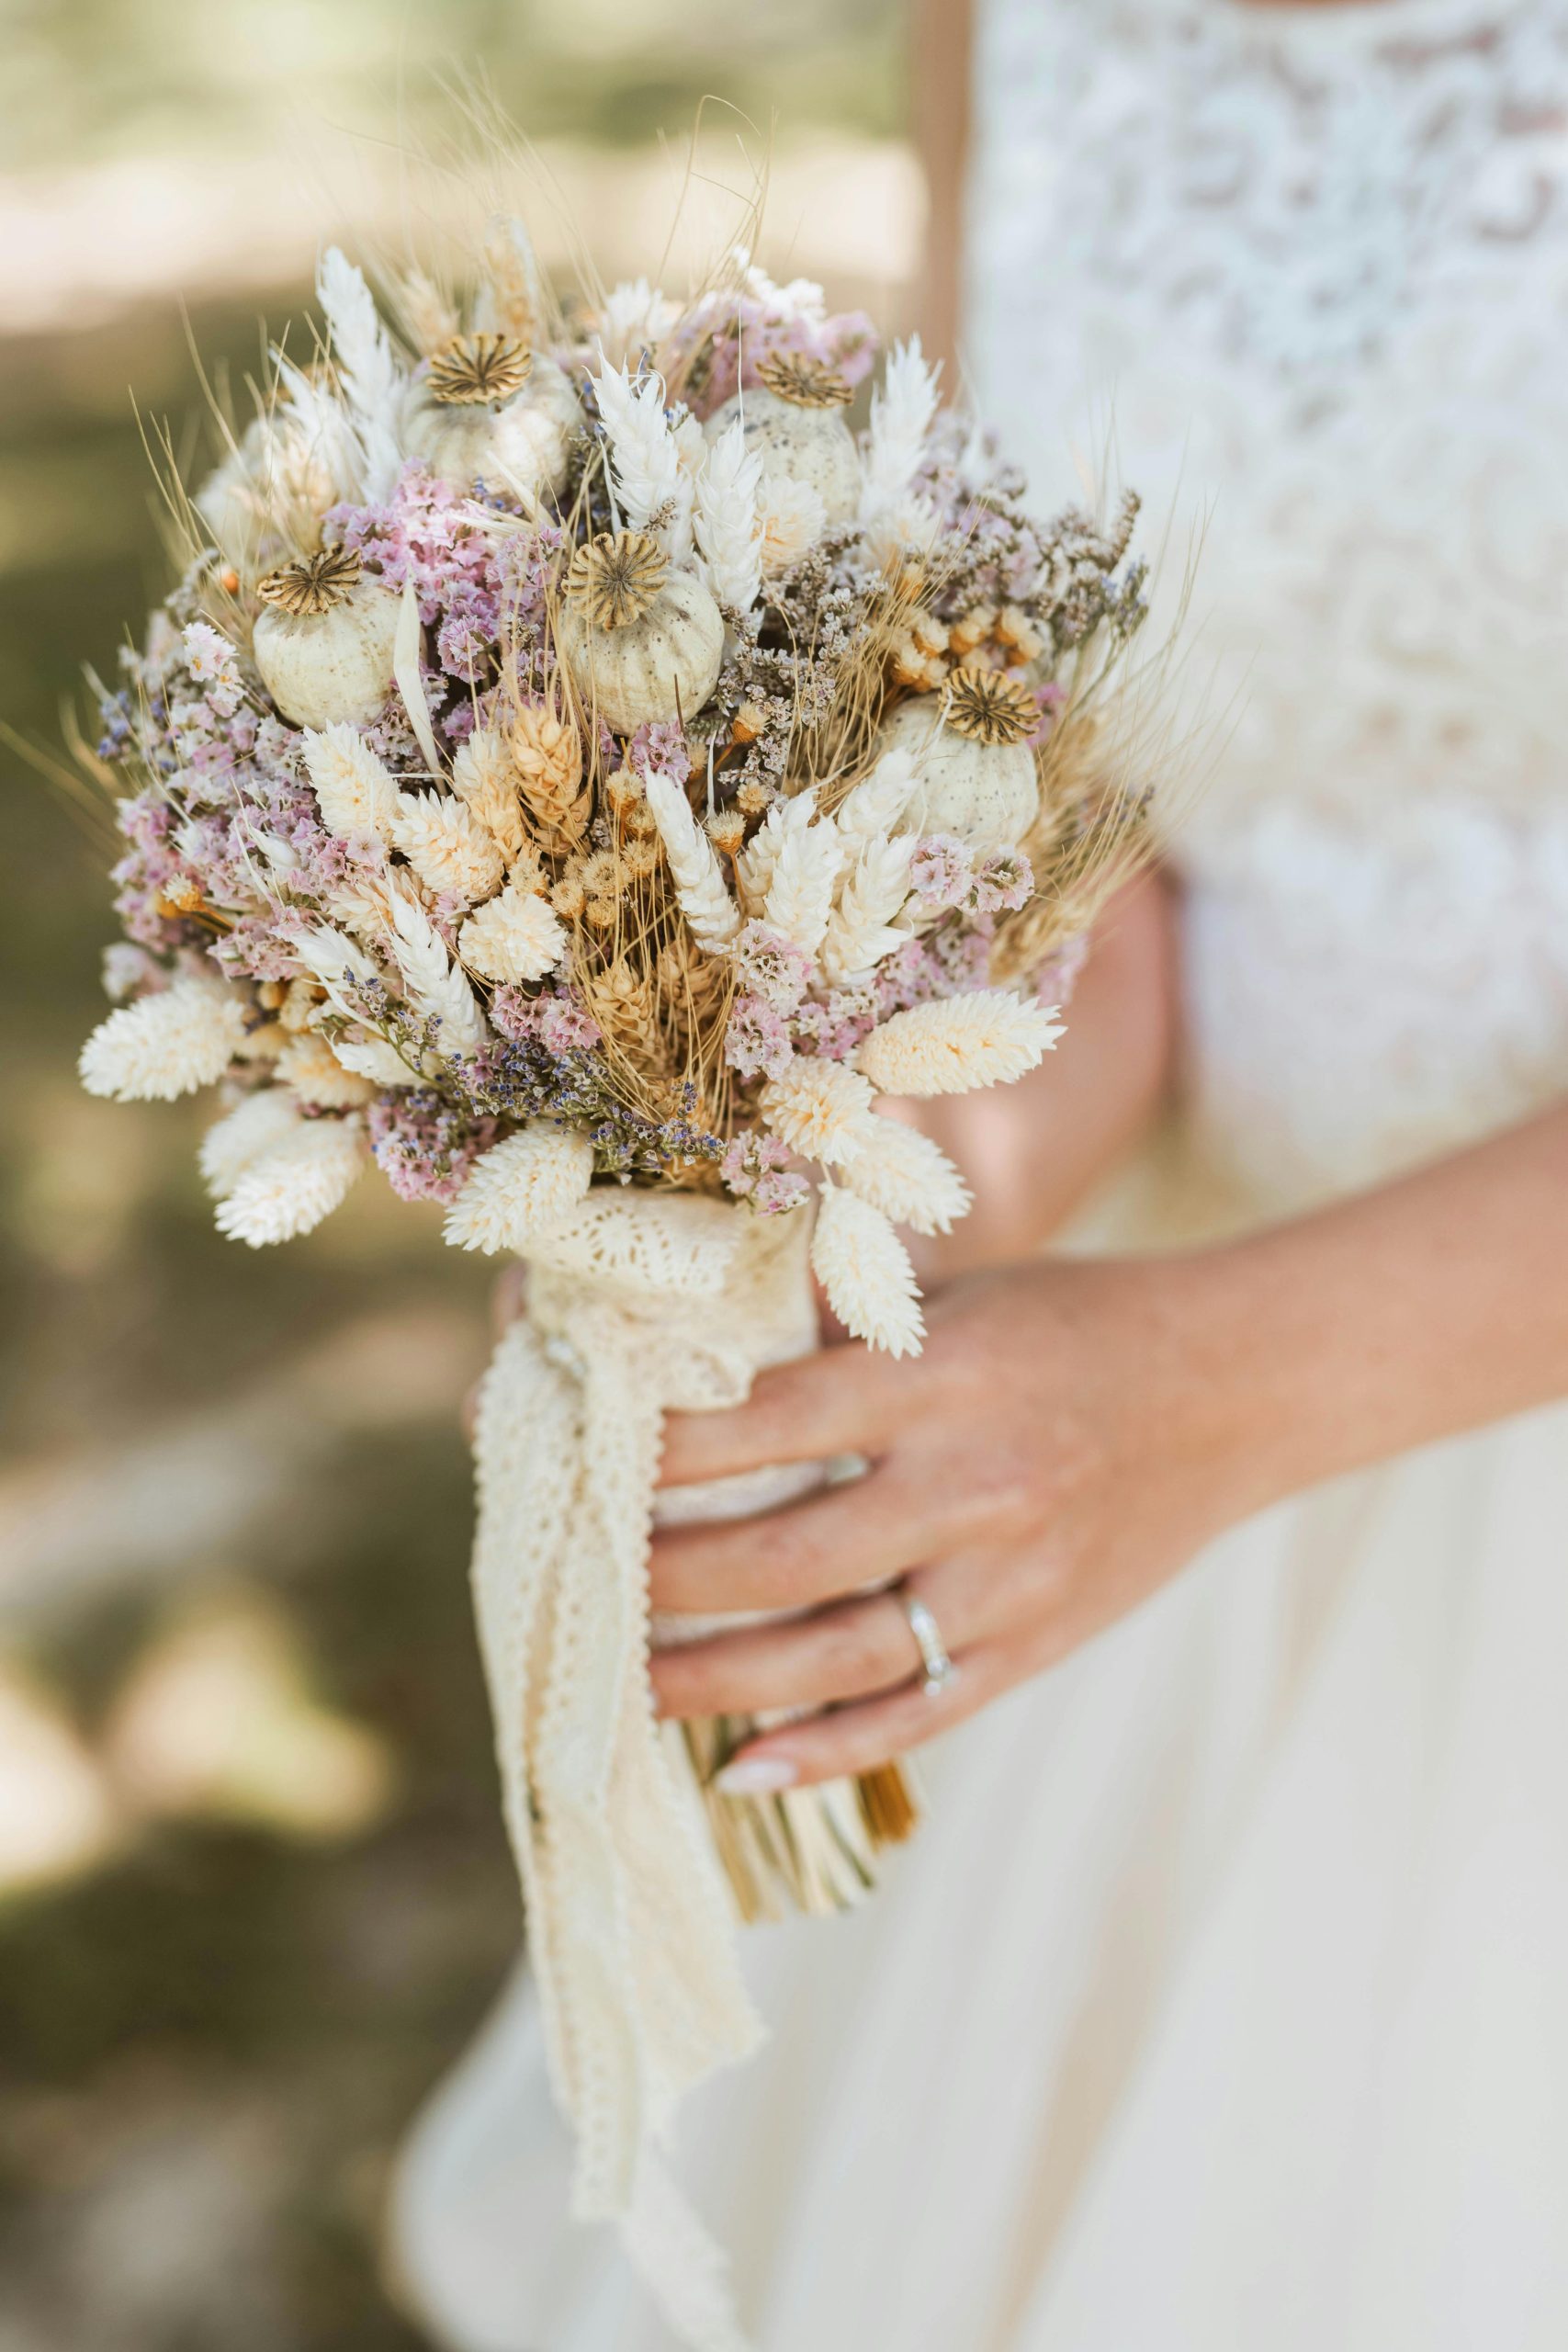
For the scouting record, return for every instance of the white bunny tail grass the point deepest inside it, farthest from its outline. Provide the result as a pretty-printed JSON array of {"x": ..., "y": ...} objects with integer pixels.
[
  {"x": 289, "y": 1188},
  {"x": 165, "y": 1045},
  {"x": 908, "y": 1178},
  {"x": 866, "y": 1272},
  {"x": 821, "y": 1109},
  {"x": 525, "y": 1188},
  {"x": 252, "y": 1128},
  {"x": 957, "y": 1043}
]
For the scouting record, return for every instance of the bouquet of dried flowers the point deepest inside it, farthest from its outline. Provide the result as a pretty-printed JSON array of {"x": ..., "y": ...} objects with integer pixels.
[{"x": 577, "y": 774}]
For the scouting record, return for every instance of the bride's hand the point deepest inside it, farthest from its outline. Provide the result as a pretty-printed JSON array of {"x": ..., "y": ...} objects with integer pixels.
[{"x": 1057, "y": 1452}]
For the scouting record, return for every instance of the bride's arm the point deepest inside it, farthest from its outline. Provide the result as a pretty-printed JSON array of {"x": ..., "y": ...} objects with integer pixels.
[
  {"x": 1035, "y": 1151},
  {"x": 1076, "y": 1431},
  {"x": 943, "y": 38}
]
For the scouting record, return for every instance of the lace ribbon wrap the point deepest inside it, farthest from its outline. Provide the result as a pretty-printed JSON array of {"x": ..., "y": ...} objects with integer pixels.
[{"x": 646, "y": 1302}]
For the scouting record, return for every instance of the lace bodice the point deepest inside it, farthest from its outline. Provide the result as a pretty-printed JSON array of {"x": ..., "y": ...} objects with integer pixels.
[{"x": 1304, "y": 269}]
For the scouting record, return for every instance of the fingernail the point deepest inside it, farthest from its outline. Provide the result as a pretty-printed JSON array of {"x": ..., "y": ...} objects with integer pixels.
[{"x": 757, "y": 1776}]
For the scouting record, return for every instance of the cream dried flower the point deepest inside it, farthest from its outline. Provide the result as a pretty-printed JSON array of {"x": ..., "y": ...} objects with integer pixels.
[
  {"x": 957, "y": 1043},
  {"x": 908, "y": 1178},
  {"x": 289, "y": 1188},
  {"x": 866, "y": 1272},
  {"x": 165, "y": 1045},
  {"x": 793, "y": 519},
  {"x": 451, "y": 853},
  {"x": 730, "y": 535},
  {"x": 523, "y": 1190},
  {"x": 516, "y": 937},
  {"x": 257, "y": 1125},
  {"x": 485, "y": 781},
  {"x": 308, "y": 1065},
  {"x": 821, "y": 1109},
  {"x": 356, "y": 795}
]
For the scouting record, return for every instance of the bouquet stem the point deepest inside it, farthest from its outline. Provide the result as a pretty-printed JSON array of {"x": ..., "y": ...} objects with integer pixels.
[{"x": 803, "y": 1849}]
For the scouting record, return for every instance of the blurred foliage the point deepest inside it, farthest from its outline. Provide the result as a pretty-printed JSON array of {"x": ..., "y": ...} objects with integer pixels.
[{"x": 92, "y": 79}]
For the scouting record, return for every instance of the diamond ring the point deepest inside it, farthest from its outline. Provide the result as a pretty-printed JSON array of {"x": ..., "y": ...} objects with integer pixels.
[{"x": 938, "y": 1666}]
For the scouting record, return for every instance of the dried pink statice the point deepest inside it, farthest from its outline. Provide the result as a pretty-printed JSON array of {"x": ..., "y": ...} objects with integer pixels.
[
  {"x": 757, "y": 1042},
  {"x": 756, "y": 1168},
  {"x": 1004, "y": 881},
  {"x": 423, "y": 1146},
  {"x": 772, "y": 967},
  {"x": 941, "y": 870},
  {"x": 557, "y": 1020}
]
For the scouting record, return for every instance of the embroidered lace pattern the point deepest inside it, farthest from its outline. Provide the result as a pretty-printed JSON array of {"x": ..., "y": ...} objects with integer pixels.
[{"x": 1310, "y": 265}]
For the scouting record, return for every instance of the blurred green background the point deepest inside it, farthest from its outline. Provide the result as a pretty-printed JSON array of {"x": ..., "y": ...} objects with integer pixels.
[{"x": 253, "y": 1891}]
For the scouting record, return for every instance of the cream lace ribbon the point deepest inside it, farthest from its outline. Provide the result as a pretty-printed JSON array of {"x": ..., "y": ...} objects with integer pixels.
[{"x": 646, "y": 1302}]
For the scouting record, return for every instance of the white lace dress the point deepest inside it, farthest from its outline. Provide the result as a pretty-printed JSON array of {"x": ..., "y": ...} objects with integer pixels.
[{"x": 1223, "y": 2005}]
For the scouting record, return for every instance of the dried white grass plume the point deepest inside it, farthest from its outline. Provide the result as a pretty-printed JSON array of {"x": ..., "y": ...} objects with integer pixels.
[
  {"x": 822, "y": 1110},
  {"x": 165, "y": 1045},
  {"x": 289, "y": 1188},
  {"x": 407, "y": 679},
  {"x": 793, "y": 518},
  {"x": 309, "y": 1067},
  {"x": 694, "y": 868},
  {"x": 908, "y": 1178},
  {"x": 861, "y": 931},
  {"x": 800, "y": 891},
  {"x": 435, "y": 987},
  {"x": 374, "y": 1059},
  {"x": 485, "y": 780},
  {"x": 523, "y": 1190},
  {"x": 338, "y": 962},
  {"x": 876, "y": 804},
  {"x": 518, "y": 936},
  {"x": 866, "y": 1273},
  {"x": 755, "y": 866},
  {"x": 728, "y": 530},
  {"x": 902, "y": 411},
  {"x": 450, "y": 851},
  {"x": 949, "y": 1046},
  {"x": 643, "y": 452},
  {"x": 372, "y": 379},
  {"x": 356, "y": 795},
  {"x": 255, "y": 1126}
]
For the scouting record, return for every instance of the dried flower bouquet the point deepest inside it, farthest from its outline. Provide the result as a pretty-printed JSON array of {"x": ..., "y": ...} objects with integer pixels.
[{"x": 579, "y": 773}]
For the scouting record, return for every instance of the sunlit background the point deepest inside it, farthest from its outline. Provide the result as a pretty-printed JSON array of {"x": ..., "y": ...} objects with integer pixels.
[{"x": 254, "y": 1891}]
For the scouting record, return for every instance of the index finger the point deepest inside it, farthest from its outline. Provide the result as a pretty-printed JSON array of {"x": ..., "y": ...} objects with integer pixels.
[{"x": 835, "y": 1402}]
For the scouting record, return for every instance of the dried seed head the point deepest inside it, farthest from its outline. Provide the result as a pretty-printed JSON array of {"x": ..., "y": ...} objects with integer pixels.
[
  {"x": 602, "y": 913},
  {"x": 641, "y": 856},
  {"x": 182, "y": 897},
  {"x": 567, "y": 896},
  {"x": 475, "y": 369},
  {"x": 316, "y": 584},
  {"x": 614, "y": 579},
  {"x": 986, "y": 708},
  {"x": 747, "y": 723},
  {"x": 805, "y": 383},
  {"x": 755, "y": 797}
]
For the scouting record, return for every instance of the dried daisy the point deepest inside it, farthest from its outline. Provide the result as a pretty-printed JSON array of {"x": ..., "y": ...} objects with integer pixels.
[
  {"x": 805, "y": 382},
  {"x": 727, "y": 831},
  {"x": 315, "y": 585},
  {"x": 477, "y": 369},
  {"x": 983, "y": 707}
]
